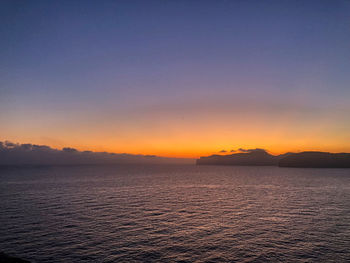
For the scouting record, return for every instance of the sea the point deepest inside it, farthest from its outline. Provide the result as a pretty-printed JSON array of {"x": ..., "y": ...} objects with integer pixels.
[{"x": 175, "y": 213}]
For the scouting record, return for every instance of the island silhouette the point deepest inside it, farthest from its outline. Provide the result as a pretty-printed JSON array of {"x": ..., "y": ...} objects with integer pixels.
[
  {"x": 15, "y": 154},
  {"x": 260, "y": 157}
]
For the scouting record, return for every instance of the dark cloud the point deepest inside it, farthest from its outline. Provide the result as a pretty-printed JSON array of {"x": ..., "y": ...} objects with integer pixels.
[
  {"x": 32, "y": 154},
  {"x": 222, "y": 151},
  {"x": 26, "y": 146},
  {"x": 69, "y": 150},
  {"x": 9, "y": 144},
  {"x": 251, "y": 150},
  {"x": 233, "y": 151},
  {"x": 243, "y": 150}
]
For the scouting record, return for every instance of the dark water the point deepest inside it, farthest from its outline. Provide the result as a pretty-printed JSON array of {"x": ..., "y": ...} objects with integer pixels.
[{"x": 175, "y": 214}]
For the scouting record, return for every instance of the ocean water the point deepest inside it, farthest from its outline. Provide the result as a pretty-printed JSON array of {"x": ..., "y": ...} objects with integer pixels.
[{"x": 175, "y": 213}]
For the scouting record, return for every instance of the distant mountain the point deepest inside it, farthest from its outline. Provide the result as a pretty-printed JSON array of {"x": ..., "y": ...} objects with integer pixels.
[
  {"x": 316, "y": 160},
  {"x": 14, "y": 154},
  {"x": 258, "y": 157}
]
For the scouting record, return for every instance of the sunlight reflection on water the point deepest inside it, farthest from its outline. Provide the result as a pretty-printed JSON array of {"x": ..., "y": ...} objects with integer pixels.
[{"x": 175, "y": 214}]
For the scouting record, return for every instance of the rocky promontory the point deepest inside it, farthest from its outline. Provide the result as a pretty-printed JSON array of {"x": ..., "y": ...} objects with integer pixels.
[
  {"x": 316, "y": 160},
  {"x": 260, "y": 157}
]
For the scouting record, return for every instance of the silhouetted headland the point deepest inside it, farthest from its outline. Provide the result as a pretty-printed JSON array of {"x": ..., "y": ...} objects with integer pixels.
[
  {"x": 316, "y": 160},
  {"x": 259, "y": 157},
  {"x": 14, "y": 154},
  {"x": 8, "y": 259}
]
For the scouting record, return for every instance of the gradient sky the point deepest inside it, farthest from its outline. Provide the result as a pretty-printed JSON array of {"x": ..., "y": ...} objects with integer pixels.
[{"x": 176, "y": 78}]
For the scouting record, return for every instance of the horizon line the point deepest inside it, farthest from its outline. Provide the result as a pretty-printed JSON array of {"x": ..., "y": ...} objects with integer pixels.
[{"x": 9, "y": 144}]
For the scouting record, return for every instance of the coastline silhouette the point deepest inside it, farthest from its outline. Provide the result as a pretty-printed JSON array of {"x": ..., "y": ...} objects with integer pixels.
[
  {"x": 316, "y": 160},
  {"x": 260, "y": 157},
  {"x": 14, "y": 154}
]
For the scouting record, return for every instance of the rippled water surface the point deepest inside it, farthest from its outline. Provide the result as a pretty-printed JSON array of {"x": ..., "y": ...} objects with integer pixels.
[{"x": 175, "y": 214}]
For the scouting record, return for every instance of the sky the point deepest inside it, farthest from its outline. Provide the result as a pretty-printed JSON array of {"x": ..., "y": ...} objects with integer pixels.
[{"x": 176, "y": 78}]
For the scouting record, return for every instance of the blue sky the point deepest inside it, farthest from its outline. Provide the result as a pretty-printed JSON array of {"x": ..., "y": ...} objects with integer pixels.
[{"x": 122, "y": 67}]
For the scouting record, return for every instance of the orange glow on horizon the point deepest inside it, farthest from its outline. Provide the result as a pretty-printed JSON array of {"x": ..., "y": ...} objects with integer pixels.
[
  {"x": 188, "y": 149},
  {"x": 192, "y": 133}
]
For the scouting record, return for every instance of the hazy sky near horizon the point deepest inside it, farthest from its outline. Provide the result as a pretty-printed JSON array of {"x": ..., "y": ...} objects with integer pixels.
[{"x": 176, "y": 78}]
